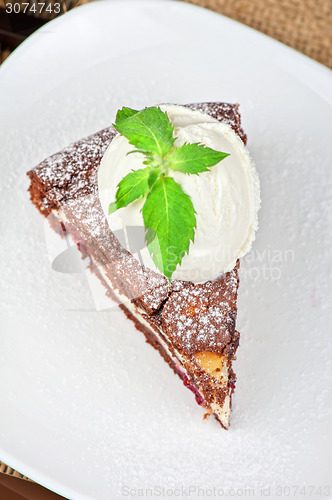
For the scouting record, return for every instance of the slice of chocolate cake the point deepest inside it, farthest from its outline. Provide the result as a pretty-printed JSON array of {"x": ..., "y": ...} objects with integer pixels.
[{"x": 192, "y": 325}]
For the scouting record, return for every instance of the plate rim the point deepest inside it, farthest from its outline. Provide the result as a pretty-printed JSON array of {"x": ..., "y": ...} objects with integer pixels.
[{"x": 50, "y": 481}]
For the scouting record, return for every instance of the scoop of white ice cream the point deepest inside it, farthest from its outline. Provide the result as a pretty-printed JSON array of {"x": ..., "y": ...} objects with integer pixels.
[{"x": 226, "y": 198}]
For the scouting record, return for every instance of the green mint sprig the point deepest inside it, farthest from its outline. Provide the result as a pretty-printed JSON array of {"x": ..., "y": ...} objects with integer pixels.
[{"x": 168, "y": 213}]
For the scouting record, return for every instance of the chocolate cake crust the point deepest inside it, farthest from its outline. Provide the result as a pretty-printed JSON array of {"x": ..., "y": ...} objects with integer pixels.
[
  {"x": 68, "y": 181},
  {"x": 191, "y": 318}
]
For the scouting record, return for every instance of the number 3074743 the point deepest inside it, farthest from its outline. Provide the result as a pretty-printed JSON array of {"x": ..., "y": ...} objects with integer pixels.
[{"x": 33, "y": 8}]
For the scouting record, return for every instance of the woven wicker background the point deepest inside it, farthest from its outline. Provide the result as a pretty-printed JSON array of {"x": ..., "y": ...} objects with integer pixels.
[
  {"x": 5, "y": 469},
  {"x": 305, "y": 25}
]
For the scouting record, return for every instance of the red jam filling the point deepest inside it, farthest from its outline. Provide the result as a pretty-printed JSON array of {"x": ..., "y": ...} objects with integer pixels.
[{"x": 190, "y": 386}]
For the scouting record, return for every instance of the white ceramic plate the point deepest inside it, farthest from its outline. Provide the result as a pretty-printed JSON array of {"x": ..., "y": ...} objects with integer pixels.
[{"x": 87, "y": 407}]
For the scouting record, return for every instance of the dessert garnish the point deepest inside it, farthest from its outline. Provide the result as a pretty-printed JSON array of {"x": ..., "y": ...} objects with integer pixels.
[
  {"x": 190, "y": 320},
  {"x": 198, "y": 225},
  {"x": 168, "y": 212}
]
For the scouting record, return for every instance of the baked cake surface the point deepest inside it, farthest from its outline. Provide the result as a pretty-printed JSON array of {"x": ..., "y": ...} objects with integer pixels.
[{"x": 191, "y": 325}]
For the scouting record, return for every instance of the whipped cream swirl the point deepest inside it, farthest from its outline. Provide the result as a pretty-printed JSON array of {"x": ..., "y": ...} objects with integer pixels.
[{"x": 226, "y": 198}]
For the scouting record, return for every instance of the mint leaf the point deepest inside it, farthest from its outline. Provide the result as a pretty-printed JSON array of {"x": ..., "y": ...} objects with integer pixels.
[
  {"x": 194, "y": 158},
  {"x": 154, "y": 174},
  {"x": 169, "y": 218},
  {"x": 168, "y": 212},
  {"x": 149, "y": 130},
  {"x": 125, "y": 113},
  {"x": 132, "y": 186}
]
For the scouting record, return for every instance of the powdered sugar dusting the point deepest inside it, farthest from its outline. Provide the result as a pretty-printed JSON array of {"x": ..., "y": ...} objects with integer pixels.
[
  {"x": 87, "y": 218},
  {"x": 68, "y": 172},
  {"x": 68, "y": 182},
  {"x": 202, "y": 317},
  {"x": 224, "y": 112}
]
